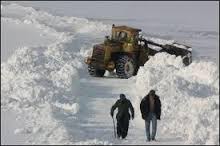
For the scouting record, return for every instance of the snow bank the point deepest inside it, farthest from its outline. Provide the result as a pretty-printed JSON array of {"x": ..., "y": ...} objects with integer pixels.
[
  {"x": 65, "y": 24},
  {"x": 41, "y": 127},
  {"x": 16, "y": 34},
  {"x": 74, "y": 108},
  {"x": 37, "y": 82},
  {"x": 189, "y": 96},
  {"x": 32, "y": 75},
  {"x": 31, "y": 82}
]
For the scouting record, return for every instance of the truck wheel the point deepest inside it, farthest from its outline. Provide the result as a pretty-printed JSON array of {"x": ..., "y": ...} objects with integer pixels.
[
  {"x": 95, "y": 72},
  {"x": 186, "y": 61},
  {"x": 125, "y": 67},
  {"x": 136, "y": 70}
]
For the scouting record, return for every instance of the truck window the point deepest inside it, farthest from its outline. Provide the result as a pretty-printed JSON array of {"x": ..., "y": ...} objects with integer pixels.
[
  {"x": 122, "y": 36},
  {"x": 119, "y": 36},
  {"x": 115, "y": 35}
]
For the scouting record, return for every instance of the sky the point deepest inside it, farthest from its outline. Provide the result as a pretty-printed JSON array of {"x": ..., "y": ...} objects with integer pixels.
[{"x": 202, "y": 14}]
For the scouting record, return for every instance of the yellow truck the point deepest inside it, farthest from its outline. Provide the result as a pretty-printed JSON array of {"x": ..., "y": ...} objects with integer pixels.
[{"x": 125, "y": 51}]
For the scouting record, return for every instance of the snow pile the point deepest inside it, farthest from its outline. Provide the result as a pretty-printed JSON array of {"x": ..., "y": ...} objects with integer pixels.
[
  {"x": 165, "y": 42},
  {"x": 69, "y": 25},
  {"x": 74, "y": 108},
  {"x": 16, "y": 34},
  {"x": 23, "y": 76},
  {"x": 31, "y": 82},
  {"x": 41, "y": 83},
  {"x": 159, "y": 40},
  {"x": 189, "y": 96},
  {"x": 41, "y": 127}
]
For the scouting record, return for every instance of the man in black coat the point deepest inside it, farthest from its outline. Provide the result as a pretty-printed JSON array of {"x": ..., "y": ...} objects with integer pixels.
[
  {"x": 151, "y": 110},
  {"x": 123, "y": 116}
]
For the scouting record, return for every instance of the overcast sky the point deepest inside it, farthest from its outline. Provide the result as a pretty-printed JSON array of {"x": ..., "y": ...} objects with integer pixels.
[{"x": 202, "y": 13}]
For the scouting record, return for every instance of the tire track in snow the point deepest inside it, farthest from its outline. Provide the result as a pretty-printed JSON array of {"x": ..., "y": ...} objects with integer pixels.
[{"x": 94, "y": 121}]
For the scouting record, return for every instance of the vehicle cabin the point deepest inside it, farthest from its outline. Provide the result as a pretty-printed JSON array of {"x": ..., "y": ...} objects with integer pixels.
[{"x": 124, "y": 33}]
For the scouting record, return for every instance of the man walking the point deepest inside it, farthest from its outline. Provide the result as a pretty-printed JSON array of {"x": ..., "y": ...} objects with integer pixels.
[
  {"x": 151, "y": 110},
  {"x": 123, "y": 116}
]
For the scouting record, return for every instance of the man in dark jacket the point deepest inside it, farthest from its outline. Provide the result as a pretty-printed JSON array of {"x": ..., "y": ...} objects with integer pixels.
[
  {"x": 123, "y": 116},
  {"x": 151, "y": 110}
]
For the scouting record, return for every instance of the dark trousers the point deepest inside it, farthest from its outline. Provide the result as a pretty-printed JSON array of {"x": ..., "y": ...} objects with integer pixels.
[{"x": 122, "y": 127}]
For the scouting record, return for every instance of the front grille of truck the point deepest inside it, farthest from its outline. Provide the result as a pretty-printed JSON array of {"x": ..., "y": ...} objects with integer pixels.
[{"x": 98, "y": 53}]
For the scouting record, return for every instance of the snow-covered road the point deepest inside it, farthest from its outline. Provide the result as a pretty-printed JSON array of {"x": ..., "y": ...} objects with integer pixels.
[{"x": 94, "y": 120}]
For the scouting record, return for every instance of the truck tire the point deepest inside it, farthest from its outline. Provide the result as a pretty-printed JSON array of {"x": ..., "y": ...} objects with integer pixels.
[
  {"x": 125, "y": 67},
  {"x": 186, "y": 61},
  {"x": 136, "y": 70},
  {"x": 95, "y": 72}
]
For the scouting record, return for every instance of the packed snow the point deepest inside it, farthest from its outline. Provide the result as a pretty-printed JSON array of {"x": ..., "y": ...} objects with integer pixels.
[{"x": 47, "y": 96}]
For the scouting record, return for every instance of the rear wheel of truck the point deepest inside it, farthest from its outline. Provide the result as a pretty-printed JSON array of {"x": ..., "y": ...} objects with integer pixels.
[
  {"x": 95, "y": 72},
  {"x": 125, "y": 67},
  {"x": 187, "y": 60},
  {"x": 136, "y": 70}
]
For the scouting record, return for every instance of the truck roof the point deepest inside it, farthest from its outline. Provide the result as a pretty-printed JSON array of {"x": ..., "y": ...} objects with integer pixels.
[{"x": 127, "y": 28}]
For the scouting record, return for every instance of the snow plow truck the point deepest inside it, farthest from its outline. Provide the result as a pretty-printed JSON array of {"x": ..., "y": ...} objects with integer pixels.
[{"x": 126, "y": 50}]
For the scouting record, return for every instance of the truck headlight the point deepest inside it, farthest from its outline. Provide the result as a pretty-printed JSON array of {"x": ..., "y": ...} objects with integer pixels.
[{"x": 88, "y": 60}]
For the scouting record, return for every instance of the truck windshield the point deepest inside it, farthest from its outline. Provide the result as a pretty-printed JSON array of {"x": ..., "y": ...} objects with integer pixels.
[{"x": 119, "y": 36}]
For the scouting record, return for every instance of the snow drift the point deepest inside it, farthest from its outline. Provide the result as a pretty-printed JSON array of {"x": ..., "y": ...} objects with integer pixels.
[
  {"x": 42, "y": 82},
  {"x": 27, "y": 90},
  {"x": 189, "y": 96}
]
